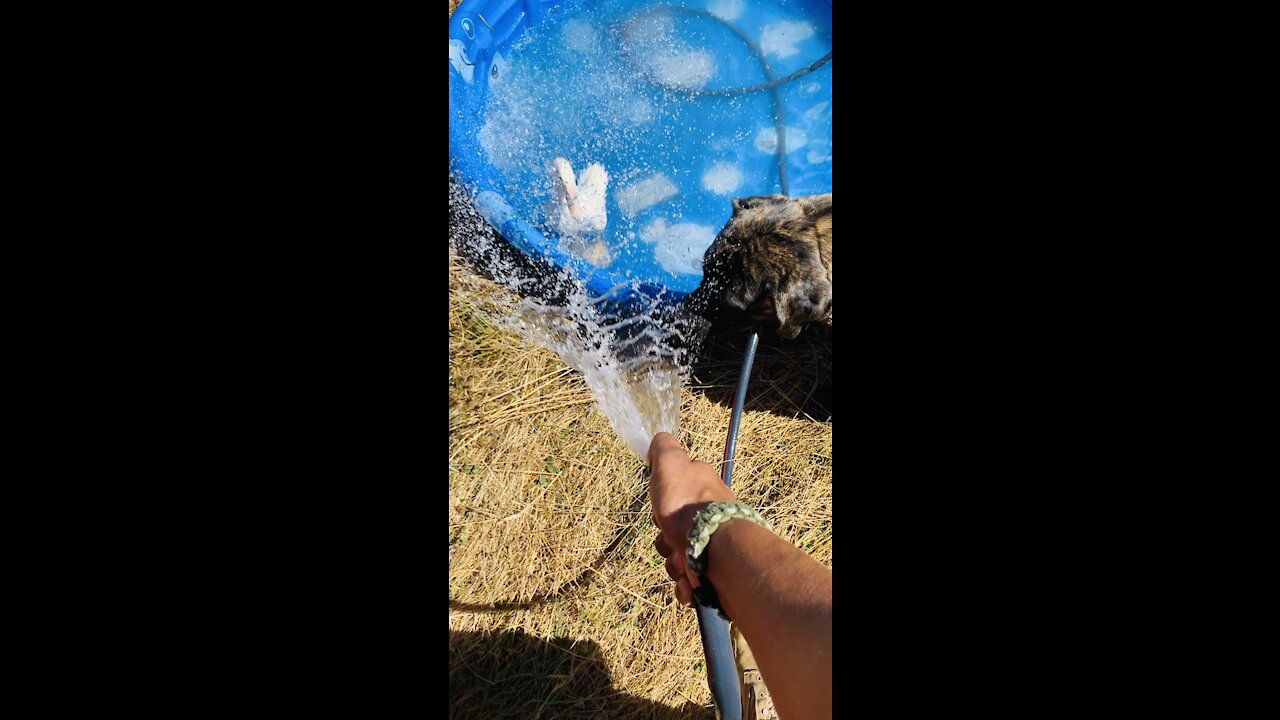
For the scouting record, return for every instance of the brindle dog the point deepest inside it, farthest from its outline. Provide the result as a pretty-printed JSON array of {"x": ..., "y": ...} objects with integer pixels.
[{"x": 772, "y": 262}]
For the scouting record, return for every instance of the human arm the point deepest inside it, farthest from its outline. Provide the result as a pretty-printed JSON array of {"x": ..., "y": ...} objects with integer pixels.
[{"x": 778, "y": 596}]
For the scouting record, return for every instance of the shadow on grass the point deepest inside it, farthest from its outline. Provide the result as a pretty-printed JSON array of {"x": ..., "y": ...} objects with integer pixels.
[
  {"x": 789, "y": 377},
  {"x": 511, "y": 674}
]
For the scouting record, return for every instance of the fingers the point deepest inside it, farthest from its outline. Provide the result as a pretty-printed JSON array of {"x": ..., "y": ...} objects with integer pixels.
[
  {"x": 675, "y": 571},
  {"x": 676, "y": 568},
  {"x": 684, "y": 592},
  {"x": 678, "y": 487},
  {"x": 665, "y": 449},
  {"x": 676, "y": 565},
  {"x": 660, "y": 544}
]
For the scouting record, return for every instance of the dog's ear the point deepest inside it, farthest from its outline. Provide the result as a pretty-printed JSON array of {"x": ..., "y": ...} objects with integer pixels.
[
  {"x": 802, "y": 301},
  {"x": 816, "y": 205},
  {"x": 755, "y": 201}
]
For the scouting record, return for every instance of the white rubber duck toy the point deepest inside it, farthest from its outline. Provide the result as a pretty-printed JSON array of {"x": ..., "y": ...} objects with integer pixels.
[{"x": 577, "y": 212}]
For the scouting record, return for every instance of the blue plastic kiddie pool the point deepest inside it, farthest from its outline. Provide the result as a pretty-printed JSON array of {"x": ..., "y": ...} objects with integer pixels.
[{"x": 682, "y": 103}]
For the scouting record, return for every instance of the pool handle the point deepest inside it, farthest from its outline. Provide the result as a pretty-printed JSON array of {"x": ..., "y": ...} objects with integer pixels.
[{"x": 722, "y": 671}]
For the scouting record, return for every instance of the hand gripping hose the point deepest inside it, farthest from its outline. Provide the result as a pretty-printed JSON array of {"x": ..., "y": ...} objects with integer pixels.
[{"x": 722, "y": 671}]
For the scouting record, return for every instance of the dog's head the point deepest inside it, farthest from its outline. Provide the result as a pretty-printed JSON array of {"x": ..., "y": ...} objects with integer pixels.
[{"x": 766, "y": 262}]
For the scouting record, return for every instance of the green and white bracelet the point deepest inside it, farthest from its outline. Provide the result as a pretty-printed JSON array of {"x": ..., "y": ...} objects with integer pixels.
[{"x": 706, "y": 522}]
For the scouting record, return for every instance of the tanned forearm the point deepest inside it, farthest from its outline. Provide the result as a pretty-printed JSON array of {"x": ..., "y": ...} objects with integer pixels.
[{"x": 780, "y": 599}]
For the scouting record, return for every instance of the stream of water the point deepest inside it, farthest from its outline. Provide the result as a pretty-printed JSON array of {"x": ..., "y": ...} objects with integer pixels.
[
  {"x": 646, "y": 92},
  {"x": 634, "y": 355}
]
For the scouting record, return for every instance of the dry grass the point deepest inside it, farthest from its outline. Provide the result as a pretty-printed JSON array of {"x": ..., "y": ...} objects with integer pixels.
[{"x": 559, "y": 606}]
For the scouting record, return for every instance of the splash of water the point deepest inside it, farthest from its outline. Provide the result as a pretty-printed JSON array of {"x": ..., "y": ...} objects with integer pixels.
[
  {"x": 633, "y": 351},
  {"x": 618, "y": 83},
  {"x": 635, "y": 377}
]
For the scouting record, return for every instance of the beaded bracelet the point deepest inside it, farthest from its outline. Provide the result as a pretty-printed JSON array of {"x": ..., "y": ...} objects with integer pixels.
[{"x": 706, "y": 522}]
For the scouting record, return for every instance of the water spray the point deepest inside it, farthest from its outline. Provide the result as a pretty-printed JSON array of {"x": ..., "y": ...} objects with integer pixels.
[
  {"x": 610, "y": 334},
  {"x": 717, "y": 645}
]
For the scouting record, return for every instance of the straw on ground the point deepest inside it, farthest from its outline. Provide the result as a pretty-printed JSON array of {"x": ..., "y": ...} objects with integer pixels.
[{"x": 559, "y": 606}]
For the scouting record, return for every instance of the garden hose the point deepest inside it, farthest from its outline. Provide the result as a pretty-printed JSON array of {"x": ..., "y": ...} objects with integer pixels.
[{"x": 717, "y": 647}]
